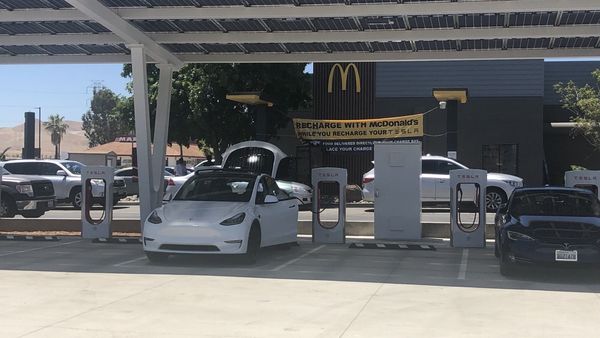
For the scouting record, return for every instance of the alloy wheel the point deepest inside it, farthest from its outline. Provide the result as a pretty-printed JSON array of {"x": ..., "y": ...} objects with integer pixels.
[{"x": 493, "y": 200}]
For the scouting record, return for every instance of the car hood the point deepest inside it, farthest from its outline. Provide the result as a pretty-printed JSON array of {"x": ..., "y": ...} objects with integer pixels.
[
  {"x": 23, "y": 179},
  {"x": 200, "y": 212},
  {"x": 503, "y": 177},
  {"x": 526, "y": 221}
]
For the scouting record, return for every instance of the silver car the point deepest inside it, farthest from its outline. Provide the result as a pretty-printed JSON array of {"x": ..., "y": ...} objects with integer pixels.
[
  {"x": 65, "y": 177},
  {"x": 130, "y": 176}
]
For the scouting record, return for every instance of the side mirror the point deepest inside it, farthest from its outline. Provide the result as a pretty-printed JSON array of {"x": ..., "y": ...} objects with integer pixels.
[
  {"x": 61, "y": 173},
  {"x": 270, "y": 199}
]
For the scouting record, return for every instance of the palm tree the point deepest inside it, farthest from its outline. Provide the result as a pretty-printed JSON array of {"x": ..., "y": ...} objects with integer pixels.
[{"x": 57, "y": 128}]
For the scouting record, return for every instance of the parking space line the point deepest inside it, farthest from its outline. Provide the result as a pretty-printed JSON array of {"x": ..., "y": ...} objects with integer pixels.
[
  {"x": 462, "y": 272},
  {"x": 129, "y": 261},
  {"x": 298, "y": 258},
  {"x": 40, "y": 248}
]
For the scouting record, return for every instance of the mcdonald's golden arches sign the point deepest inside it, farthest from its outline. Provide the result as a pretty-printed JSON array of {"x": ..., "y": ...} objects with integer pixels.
[{"x": 337, "y": 68}]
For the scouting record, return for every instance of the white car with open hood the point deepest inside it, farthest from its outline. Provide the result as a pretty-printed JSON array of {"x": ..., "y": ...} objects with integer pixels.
[{"x": 222, "y": 212}]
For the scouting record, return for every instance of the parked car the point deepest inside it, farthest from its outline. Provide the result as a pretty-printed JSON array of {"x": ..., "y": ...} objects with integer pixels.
[
  {"x": 266, "y": 158},
  {"x": 27, "y": 196},
  {"x": 302, "y": 192},
  {"x": 548, "y": 226},
  {"x": 435, "y": 183},
  {"x": 66, "y": 179},
  {"x": 171, "y": 170},
  {"x": 130, "y": 176},
  {"x": 222, "y": 212}
]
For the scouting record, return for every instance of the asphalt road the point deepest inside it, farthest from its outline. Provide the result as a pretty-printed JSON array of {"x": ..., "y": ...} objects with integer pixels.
[{"x": 352, "y": 214}]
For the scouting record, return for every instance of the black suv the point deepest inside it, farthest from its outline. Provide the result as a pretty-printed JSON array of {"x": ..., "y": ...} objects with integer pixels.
[{"x": 25, "y": 195}]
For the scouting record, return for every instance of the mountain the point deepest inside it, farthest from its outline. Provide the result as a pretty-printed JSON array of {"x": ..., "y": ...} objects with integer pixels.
[{"x": 73, "y": 141}]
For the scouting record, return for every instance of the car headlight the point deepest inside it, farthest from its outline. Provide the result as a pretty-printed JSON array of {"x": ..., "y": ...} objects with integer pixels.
[
  {"x": 25, "y": 189},
  {"x": 237, "y": 219},
  {"x": 154, "y": 218},
  {"x": 517, "y": 236},
  {"x": 514, "y": 184}
]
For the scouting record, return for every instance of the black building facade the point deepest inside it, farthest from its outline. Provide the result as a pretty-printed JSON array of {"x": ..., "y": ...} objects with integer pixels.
[{"x": 505, "y": 126}]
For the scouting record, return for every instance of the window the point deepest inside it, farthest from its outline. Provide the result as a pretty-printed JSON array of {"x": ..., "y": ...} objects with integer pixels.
[
  {"x": 217, "y": 189},
  {"x": 502, "y": 158},
  {"x": 18, "y": 168},
  {"x": 257, "y": 160},
  {"x": 73, "y": 167},
  {"x": 125, "y": 173},
  {"x": 438, "y": 167},
  {"x": 47, "y": 169},
  {"x": 286, "y": 169}
]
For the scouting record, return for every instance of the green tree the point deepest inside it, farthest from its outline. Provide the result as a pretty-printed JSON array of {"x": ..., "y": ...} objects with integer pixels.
[
  {"x": 57, "y": 127},
  {"x": 104, "y": 121},
  {"x": 584, "y": 105},
  {"x": 200, "y": 111}
]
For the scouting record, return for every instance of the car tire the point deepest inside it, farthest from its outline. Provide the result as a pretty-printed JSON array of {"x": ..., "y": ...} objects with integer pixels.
[
  {"x": 494, "y": 198},
  {"x": 8, "y": 208},
  {"x": 157, "y": 257},
  {"x": 33, "y": 214},
  {"x": 76, "y": 198},
  {"x": 253, "y": 246}
]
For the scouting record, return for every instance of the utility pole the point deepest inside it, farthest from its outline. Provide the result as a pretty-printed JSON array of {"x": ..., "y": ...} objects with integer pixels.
[{"x": 39, "y": 130}]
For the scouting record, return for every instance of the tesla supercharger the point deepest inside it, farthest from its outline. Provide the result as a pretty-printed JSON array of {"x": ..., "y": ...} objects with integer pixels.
[
  {"x": 329, "y": 232},
  {"x": 585, "y": 179},
  {"x": 97, "y": 178},
  {"x": 467, "y": 185}
]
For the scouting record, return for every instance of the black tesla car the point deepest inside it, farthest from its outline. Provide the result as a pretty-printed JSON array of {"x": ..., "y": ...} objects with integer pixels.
[{"x": 548, "y": 226}]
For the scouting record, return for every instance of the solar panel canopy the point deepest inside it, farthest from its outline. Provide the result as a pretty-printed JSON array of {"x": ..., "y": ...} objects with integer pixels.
[{"x": 70, "y": 31}]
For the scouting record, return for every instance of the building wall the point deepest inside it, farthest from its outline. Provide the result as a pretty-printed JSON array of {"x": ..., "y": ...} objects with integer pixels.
[
  {"x": 503, "y": 78},
  {"x": 481, "y": 121}
]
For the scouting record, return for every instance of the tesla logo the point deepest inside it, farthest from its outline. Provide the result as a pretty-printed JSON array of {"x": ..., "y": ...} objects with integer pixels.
[
  {"x": 344, "y": 75},
  {"x": 566, "y": 245},
  {"x": 585, "y": 178}
]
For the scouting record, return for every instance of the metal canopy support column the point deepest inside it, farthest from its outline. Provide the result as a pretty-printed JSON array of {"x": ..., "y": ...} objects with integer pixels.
[
  {"x": 161, "y": 132},
  {"x": 142, "y": 128}
]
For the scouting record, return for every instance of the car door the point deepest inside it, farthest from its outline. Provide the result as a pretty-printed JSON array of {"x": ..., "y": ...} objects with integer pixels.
[
  {"x": 48, "y": 171},
  {"x": 271, "y": 216},
  {"x": 428, "y": 178},
  {"x": 288, "y": 225}
]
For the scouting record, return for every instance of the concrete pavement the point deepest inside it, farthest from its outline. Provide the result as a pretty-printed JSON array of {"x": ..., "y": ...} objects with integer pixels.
[{"x": 77, "y": 289}]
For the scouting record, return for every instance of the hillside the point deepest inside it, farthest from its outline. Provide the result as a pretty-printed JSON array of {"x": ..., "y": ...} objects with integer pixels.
[{"x": 73, "y": 141}]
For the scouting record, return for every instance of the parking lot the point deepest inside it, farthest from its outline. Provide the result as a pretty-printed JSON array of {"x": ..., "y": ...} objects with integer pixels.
[{"x": 72, "y": 287}]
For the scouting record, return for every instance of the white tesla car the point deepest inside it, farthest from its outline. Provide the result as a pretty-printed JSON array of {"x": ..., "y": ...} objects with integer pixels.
[
  {"x": 435, "y": 183},
  {"x": 222, "y": 212}
]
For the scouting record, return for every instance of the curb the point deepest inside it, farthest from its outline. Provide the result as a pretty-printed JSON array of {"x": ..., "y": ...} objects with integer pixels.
[
  {"x": 29, "y": 238},
  {"x": 439, "y": 230}
]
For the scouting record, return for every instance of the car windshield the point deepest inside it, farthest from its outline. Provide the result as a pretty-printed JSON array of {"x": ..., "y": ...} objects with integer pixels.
[
  {"x": 554, "y": 204},
  {"x": 73, "y": 167},
  {"x": 217, "y": 188}
]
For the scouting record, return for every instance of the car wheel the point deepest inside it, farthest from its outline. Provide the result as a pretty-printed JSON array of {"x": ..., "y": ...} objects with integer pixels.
[
  {"x": 494, "y": 198},
  {"x": 32, "y": 214},
  {"x": 76, "y": 198},
  {"x": 157, "y": 257},
  {"x": 7, "y": 207},
  {"x": 253, "y": 244}
]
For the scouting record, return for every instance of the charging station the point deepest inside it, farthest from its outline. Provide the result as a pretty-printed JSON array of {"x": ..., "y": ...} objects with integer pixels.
[
  {"x": 329, "y": 233},
  {"x": 584, "y": 179},
  {"x": 94, "y": 177},
  {"x": 467, "y": 185}
]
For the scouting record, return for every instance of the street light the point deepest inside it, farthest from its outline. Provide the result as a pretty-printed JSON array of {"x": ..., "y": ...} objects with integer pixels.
[{"x": 39, "y": 130}]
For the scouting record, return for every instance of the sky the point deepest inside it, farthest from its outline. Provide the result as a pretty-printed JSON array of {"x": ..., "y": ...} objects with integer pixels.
[
  {"x": 64, "y": 89},
  {"x": 58, "y": 89}
]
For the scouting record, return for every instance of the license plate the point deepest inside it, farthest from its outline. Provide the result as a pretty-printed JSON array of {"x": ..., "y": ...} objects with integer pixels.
[{"x": 565, "y": 255}]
